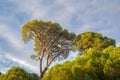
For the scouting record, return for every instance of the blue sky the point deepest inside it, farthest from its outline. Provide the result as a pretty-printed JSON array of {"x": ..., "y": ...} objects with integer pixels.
[{"x": 77, "y": 16}]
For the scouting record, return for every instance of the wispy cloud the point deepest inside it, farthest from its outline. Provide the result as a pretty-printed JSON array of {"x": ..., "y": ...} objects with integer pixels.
[
  {"x": 23, "y": 63},
  {"x": 7, "y": 61},
  {"x": 74, "y": 14},
  {"x": 11, "y": 37},
  {"x": 14, "y": 46}
]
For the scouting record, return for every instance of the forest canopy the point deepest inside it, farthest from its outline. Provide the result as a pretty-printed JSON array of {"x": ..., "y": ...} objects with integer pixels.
[
  {"x": 100, "y": 58},
  {"x": 92, "y": 65}
]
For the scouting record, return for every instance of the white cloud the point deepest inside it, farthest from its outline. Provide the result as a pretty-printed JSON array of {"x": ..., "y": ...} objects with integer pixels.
[
  {"x": 8, "y": 35},
  {"x": 19, "y": 49},
  {"x": 3, "y": 70},
  {"x": 33, "y": 8},
  {"x": 118, "y": 44},
  {"x": 54, "y": 11},
  {"x": 28, "y": 65}
]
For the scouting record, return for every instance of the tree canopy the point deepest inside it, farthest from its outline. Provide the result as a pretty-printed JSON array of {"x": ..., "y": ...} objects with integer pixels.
[
  {"x": 51, "y": 42},
  {"x": 17, "y": 73},
  {"x": 94, "y": 40},
  {"x": 92, "y": 65},
  {"x": 100, "y": 59}
]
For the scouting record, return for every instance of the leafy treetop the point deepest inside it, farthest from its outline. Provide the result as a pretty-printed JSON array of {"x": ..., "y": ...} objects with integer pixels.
[
  {"x": 17, "y": 73},
  {"x": 94, "y": 40}
]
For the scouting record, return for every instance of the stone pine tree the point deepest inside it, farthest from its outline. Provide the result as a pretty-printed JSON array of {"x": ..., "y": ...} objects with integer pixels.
[
  {"x": 51, "y": 42},
  {"x": 94, "y": 40}
]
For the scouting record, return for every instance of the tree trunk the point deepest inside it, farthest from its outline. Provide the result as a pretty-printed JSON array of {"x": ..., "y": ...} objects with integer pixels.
[
  {"x": 41, "y": 76},
  {"x": 42, "y": 73}
]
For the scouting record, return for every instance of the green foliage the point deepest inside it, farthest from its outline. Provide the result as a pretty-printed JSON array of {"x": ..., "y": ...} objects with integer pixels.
[
  {"x": 92, "y": 65},
  {"x": 59, "y": 72},
  {"x": 112, "y": 65},
  {"x": 51, "y": 42},
  {"x": 47, "y": 36},
  {"x": 94, "y": 40},
  {"x": 17, "y": 73},
  {"x": 1, "y": 76}
]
